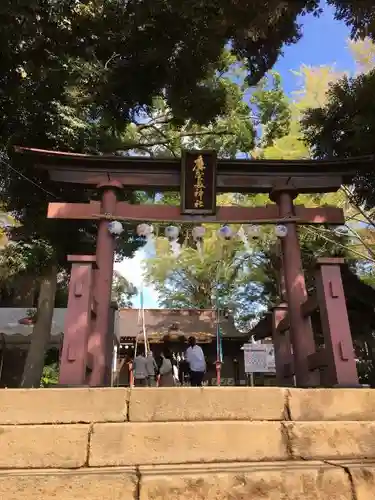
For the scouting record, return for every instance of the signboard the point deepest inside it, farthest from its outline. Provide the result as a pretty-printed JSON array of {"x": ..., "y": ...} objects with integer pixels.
[
  {"x": 198, "y": 182},
  {"x": 259, "y": 358}
]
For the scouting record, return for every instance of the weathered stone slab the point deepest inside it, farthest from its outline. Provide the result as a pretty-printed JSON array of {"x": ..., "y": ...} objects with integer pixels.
[
  {"x": 43, "y": 485},
  {"x": 207, "y": 403},
  {"x": 363, "y": 481},
  {"x": 43, "y": 446},
  {"x": 185, "y": 442},
  {"x": 331, "y": 440},
  {"x": 332, "y": 404},
  {"x": 246, "y": 481},
  {"x": 41, "y": 406}
]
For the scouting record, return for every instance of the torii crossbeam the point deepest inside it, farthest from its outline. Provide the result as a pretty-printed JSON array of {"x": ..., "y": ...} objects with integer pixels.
[{"x": 160, "y": 213}]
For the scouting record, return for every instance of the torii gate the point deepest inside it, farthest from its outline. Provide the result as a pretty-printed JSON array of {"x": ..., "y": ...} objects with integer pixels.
[{"x": 199, "y": 176}]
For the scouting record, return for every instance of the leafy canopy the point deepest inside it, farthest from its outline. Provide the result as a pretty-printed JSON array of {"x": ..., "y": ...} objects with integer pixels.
[{"x": 344, "y": 125}]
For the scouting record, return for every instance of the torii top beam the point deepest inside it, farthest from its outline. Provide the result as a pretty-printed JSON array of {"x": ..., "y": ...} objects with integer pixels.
[{"x": 245, "y": 176}]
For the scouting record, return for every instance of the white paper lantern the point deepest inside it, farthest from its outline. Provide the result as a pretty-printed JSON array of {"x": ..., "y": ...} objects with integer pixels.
[
  {"x": 115, "y": 228},
  {"x": 252, "y": 231},
  {"x": 172, "y": 232},
  {"x": 144, "y": 230},
  {"x": 281, "y": 231},
  {"x": 198, "y": 233},
  {"x": 341, "y": 230},
  {"x": 225, "y": 232}
]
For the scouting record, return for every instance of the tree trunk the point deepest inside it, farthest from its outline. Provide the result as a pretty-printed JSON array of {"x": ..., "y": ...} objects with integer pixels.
[{"x": 40, "y": 336}]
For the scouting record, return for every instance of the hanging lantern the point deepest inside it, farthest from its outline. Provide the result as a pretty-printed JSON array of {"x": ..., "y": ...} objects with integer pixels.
[
  {"x": 281, "y": 231},
  {"x": 144, "y": 230},
  {"x": 225, "y": 232},
  {"x": 253, "y": 232},
  {"x": 341, "y": 230},
  {"x": 172, "y": 232},
  {"x": 115, "y": 228},
  {"x": 198, "y": 233}
]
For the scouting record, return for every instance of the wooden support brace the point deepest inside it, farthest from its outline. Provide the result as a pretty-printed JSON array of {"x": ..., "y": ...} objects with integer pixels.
[
  {"x": 318, "y": 359},
  {"x": 310, "y": 305},
  {"x": 289, "y": 370},
  {"x": 284, "y": 325}
]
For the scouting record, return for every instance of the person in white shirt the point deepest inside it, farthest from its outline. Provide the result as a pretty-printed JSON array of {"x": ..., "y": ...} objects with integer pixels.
[
  {"x": 140, "y": 370},
  {"x": 197, "y": 363}
]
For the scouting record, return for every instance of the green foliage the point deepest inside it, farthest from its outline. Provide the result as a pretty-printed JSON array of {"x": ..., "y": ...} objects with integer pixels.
[
  {"x": 274, "y": 109},
  {"x": 360, "y": 16},
  {"x": 50, "y": 376},
  {"x": 345, "y": 127},
  {"x": 220, "y": 274},
  {"x": 24, "y": 258},
  {"x": 363, "y": 52},
  {"x": 156, "y": 133},
  {"x": 122, "y": 291}
]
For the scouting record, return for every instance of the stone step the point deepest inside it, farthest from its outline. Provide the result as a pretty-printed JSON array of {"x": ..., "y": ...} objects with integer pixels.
[
  {"x": 260, "y": 481},
  {"x": 315, "y": 480},
  {"x": 129, "y": 443},
  {"x": 83, "y": 484},
  {"x": 68, "y": 406},
  {"x": 187, "y": 444}
]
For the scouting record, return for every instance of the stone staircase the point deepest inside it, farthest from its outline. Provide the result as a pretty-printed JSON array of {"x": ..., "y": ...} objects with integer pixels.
[{"x": 187, "y": 444}]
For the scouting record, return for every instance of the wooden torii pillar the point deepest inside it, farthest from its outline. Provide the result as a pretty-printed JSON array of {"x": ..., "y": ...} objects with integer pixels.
[
  {"x": 335, "y": 362},
  {"x": 281, "y": 340},
  {"x": 86, "y": 355},
  {"x": 301, "y": 332}
]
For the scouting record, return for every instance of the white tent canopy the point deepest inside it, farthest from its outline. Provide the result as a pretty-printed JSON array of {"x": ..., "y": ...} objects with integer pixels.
[{"x": 16, "y": 333}]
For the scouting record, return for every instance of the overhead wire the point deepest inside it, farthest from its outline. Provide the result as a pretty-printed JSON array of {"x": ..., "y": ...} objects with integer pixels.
[
  {"x": 23, "y": 176},
  {"x": 319, "y": 232},
  {"x": 355, "y": 204},
  {"x": 363, "y": 242}
]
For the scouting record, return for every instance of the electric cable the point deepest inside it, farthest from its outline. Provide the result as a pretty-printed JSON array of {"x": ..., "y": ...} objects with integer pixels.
[
  {"x": 29, "y": 180},
  {"x": 319, "y": 233}
]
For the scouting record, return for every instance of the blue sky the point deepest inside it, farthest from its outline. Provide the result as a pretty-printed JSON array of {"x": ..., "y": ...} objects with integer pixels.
[{"x": 324, "y": 42}]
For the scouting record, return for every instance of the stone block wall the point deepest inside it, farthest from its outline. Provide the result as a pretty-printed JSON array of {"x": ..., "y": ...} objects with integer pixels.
[{"x": 187, "y": 444}]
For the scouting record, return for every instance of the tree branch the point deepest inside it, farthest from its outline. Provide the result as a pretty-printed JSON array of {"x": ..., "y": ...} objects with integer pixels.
[{"x": 166, "y": 142}]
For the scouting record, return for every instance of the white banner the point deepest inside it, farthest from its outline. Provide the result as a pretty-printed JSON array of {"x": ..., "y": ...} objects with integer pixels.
[{"x": 259, "y": 358}]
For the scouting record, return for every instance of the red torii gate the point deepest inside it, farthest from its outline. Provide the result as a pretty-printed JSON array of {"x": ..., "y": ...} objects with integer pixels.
[{"x": 86, "y": 340}]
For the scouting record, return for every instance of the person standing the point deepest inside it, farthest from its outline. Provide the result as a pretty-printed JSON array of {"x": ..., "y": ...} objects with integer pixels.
[
  {"x": 151, "y": 368},
  {"x": 195, "y": 357},
  {"x": 140, "y": 370},
  {"x": 166, "y": 370},
  {"x": 175, "y": 371}
]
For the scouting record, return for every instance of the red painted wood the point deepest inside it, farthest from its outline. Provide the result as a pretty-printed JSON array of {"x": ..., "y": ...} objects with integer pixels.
[
  {"x": 80, "y": 211},
  {"x": 233, "y": 175},
  {"x": 301, "y": 333},
  {"x": 341, "y": 365},
  {"x": 81, "y": 258},
  {"x": 282, "y": 345},
  {"x": 74, "y": 356},
  {"x": 152, "y": 213},
  {"x": 105, "y": 252}
]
